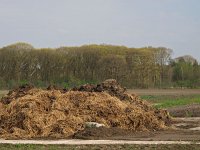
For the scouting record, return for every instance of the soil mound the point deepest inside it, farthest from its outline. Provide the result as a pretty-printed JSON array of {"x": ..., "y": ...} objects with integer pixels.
[
  {"x": 101, "y": 133},
  {"x": 35, "y": 113}
]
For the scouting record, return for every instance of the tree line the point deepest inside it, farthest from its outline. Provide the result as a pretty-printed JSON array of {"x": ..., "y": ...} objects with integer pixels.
[{"x": 148, "y": 67}]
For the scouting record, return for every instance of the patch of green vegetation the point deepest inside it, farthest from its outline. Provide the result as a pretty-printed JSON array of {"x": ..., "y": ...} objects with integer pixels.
[
  {"x": 172, "y": 101},
  {"x": 95, "y": 147},
  {"x": 150, "y": 97}
]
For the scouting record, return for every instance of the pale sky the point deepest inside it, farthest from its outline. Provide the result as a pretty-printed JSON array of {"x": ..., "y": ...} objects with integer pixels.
[{"x": 134, "y": 23}]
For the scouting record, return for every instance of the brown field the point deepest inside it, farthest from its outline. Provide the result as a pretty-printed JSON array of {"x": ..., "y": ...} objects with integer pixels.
[{"x": 165, "y": 91}]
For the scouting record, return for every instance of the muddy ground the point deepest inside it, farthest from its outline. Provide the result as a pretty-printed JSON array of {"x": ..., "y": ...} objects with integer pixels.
[
  {"x": 183, "y": 129},
  {"x": 192, "y": 110}
]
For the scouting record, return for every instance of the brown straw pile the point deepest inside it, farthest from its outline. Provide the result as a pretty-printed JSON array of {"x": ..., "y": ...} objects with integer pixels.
[{"x": 28, "y": 112}]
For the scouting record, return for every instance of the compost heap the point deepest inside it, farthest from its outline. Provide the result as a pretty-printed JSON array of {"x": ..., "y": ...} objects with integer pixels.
[{"x": 29, "y": 112}]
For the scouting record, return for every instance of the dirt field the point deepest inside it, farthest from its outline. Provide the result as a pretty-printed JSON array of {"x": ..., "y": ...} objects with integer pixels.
[
  {"x": 192, "y": 110},
  {"x": 165, "y": 91}
]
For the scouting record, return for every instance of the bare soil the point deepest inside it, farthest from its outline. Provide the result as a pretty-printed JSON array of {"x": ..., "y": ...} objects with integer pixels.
[
  {"x": 165, "y": 91},
  {"x": 192, "y": 110},
  {"x": 181, "y": 131}
]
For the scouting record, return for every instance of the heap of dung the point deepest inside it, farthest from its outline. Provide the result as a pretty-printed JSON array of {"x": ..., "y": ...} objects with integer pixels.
[{"x": 29, "y": 112}]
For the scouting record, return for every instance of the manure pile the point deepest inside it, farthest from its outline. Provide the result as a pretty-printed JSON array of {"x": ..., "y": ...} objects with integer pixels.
[{"x": 28, "y": 112}]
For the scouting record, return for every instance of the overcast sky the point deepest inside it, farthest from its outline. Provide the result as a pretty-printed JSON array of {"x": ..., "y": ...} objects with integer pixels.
[{"x": 134, "y": 23}]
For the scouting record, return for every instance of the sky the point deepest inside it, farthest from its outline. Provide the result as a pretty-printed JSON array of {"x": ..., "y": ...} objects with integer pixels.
[{"x": 174, "y": 24}]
